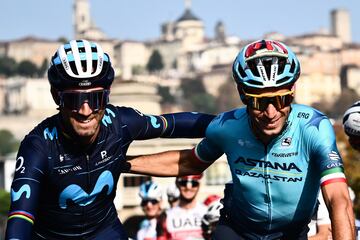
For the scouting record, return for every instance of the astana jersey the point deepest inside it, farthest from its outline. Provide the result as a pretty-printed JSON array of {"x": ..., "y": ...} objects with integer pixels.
[{"x": 275, "y": 185}]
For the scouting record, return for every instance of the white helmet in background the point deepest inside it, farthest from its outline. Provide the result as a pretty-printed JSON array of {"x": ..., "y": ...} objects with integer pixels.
[
  {"x": 211, "y": 218},
  {"x": 150, "y": 190},
  {"x": 213, "y": 213},
  {"x": 351, "y": 120},
  {"x": 172, "y": 192}
]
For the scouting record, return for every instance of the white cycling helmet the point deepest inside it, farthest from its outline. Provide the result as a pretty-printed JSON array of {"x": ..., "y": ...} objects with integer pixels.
[
  {"x": 172, "y": 192},
  {"x": 351, "y": 120},
  {"x": 80, "y": 64},
  {"x": 150, "y": 190}
]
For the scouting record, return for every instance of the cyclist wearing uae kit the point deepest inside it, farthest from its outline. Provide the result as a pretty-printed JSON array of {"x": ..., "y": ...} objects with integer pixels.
[
  {"x": 68, "y": 167},
  {"x": 279, "y": 154}
]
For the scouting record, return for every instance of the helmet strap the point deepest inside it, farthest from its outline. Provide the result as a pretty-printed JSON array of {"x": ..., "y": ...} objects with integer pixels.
[{"x": 55, "y": 95}]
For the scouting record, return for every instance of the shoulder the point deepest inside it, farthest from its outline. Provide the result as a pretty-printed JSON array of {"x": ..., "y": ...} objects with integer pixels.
[
  {"x": 308, "y": 116},
  {"x": 225, "y": 118},
  {"x": 144, "y": 223},
  {"x": 46, "y": 131}
]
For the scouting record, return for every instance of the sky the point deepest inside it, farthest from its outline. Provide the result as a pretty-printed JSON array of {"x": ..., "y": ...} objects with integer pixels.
[{"x": 141, "y": 19}]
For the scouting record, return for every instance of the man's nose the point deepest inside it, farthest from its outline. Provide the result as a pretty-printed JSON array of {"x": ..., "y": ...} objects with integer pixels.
[
  {"x": 271, "y": 110},
  {"x": 85, "y": 109}
]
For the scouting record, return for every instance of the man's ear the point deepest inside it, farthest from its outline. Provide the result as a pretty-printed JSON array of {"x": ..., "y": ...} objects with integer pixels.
[{"x": 55, "y": 95}]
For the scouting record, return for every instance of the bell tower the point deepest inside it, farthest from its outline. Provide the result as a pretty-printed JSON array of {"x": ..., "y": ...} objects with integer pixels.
[{"x": 82, "y": 18}]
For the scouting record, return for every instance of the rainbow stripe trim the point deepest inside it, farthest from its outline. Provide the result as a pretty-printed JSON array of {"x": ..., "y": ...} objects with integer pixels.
[
  {"x": 23, "y": 215},
  {"x": 332, "y": 175},
  {"x": 165, "y": 124}
]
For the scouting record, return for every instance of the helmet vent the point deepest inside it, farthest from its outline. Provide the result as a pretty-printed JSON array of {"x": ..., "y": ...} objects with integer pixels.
[
  {"x": 292, "y": 68},
  {"x": 241, "y": 71},
  {"x": 253, "y": 82},
  {"x": 284, "y": 79}
]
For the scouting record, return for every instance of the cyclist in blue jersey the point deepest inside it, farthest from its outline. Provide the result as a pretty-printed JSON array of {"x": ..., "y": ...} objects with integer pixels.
[
  {"x": 279, "y": 154},
  {"x": 151, "y": 200},
  {"x": 67, "y": 167}
]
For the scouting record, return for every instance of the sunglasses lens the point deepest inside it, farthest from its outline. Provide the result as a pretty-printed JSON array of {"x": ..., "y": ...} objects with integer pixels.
[
  {"x": 147, "y": 201},
  {"x": 261, "y": 103},
  {"x": 185, "y": 183},
  {"x": 73, "y": 100}
]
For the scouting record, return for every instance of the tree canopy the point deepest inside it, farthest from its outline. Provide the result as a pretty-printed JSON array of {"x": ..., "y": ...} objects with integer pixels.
[{"x": 155, "y": 62}]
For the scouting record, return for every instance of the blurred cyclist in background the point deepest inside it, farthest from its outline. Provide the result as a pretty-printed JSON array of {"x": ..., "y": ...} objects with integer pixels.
[
  {"x": 151, "y": 196},
  {"x": 351, "y": 123},
  {"x": 212, "y": 215},
  {"x": 173, "y": 194},
  {"x": 320, "y": 225},
  {"x": 183, "y": 222}
]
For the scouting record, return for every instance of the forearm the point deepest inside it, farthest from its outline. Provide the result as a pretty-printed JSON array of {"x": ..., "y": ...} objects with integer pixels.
[
  {"x": 166, "y": 164},
  {"x": 342, "y": 220},
  {"x": 323, "y": 232}
]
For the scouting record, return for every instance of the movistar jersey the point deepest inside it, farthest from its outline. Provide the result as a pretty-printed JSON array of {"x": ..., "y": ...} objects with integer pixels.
[
  {"x": 63, "y": 191},
  {"x": 275, "y": 185}
]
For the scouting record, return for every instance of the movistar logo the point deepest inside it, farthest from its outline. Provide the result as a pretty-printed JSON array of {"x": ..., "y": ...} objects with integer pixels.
[
  {"x": 79, "y": 196},
  {"x": 51, "y": 135},
  {"x": 154, "y": 122},
  {"x": 15, "y": 195},
  {"x": 261, "y": 163},
  {"x": 107, "y": 119}
]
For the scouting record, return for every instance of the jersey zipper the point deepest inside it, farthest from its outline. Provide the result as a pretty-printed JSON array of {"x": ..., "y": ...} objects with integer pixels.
[
  {"x": 268, "y": 191},
  {"x": 88, "y": 187}
]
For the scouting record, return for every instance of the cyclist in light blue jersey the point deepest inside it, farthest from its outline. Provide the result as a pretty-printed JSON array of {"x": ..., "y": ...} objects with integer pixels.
[{"x": 279, "y": 154}]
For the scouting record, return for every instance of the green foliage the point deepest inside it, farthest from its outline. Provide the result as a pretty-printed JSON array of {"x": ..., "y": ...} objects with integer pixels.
[
  {"x": 192, "y": 87},
  {"x": 137, "y": 69},
  {"x": 166, "y": 96},
  {"x": 8, "y": 143},
  {"x": 43, "y": 68},
  {"x": 203, "y": 102},
  {"x": 7, "y": 66},
  {"x": 155, "y": 62},
  {"x": 347, "y": 97},
  {"x": 4, "y": 202},
  {"x": 63, "y": 40},
  {"x": 27, "y": 68}
]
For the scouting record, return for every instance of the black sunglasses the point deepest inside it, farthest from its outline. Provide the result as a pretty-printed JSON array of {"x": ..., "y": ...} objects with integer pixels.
[
  {"x": 146, "y": 201},
  {"x": 192, "y": 182},
  {"x": 73, "y": 100}
]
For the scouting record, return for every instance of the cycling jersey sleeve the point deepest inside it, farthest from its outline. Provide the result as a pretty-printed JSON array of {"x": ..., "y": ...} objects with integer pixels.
[
  {"x": 30, "y": 167},
  {"x": 210, "y": 148},
  {"x": 176, "y": 125},
  {"x": 325, "y": 151}
]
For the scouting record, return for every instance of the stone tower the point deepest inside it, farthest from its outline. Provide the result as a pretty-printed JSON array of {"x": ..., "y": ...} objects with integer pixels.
[
  {"x": 340, "y": 24},
  {"x": 82, "y": 18}
]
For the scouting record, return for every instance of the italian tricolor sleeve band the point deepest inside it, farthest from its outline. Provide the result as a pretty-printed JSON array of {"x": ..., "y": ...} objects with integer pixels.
[
  {"x": 22, "y": 215},
  {"x": 332, "y": 175}
]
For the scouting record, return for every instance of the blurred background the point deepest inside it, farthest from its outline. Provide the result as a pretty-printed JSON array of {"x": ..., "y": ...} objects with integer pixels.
[{"x": 174, "y": 56}]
